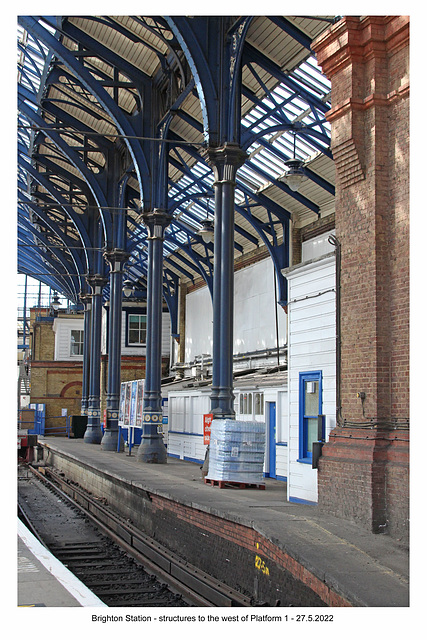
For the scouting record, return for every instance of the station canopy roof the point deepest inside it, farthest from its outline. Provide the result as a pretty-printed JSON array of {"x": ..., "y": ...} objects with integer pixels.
[{"x": 71, "y": 68}]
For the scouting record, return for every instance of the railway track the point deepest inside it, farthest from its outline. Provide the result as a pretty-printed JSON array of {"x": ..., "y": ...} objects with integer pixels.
[
  {"x": 119, "y": 563},
  {"x": 127, "y": 586}
]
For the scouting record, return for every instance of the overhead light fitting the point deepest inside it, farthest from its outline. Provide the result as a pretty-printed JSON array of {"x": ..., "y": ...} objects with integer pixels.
[
  {"x": 295, "y": 174},
  {"x": 207, "y": 230},
  {"x": 55, "y": 303},
  {"x": 128, "y": 288}
]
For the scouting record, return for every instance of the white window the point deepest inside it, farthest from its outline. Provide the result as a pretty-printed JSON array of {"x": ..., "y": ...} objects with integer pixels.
[
  {"x": 251, "y": 403},
  {"x": 76, "y": 342},
  {"x": 246, "y": 403},
  {"x": 259, "y": 404}
]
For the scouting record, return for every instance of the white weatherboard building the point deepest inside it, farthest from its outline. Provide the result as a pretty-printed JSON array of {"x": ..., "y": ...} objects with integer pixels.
[
  {"x": 133, "y": 332},
  {"x": 69, "y": 332},
  {"x": 311, "y": 362}
]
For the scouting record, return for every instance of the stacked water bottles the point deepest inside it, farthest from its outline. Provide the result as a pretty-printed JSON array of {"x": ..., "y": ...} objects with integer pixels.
[{"x": 236, "y": 451}]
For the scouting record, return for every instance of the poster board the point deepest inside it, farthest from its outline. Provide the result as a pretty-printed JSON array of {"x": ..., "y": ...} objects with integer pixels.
[{"x": 207, "y": 423}]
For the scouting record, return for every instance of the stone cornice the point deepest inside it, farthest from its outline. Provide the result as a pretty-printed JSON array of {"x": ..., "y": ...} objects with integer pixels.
[
  {"x": 360, "y": 39},
  {"x": 373, "y": 100}
]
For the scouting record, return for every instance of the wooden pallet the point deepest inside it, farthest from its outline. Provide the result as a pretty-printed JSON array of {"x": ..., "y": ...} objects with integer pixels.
[{"x": 222, "y": 484}]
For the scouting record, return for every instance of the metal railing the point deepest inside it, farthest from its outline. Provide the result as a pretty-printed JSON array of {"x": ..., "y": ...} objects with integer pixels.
[{"x": 38, "y": 424}]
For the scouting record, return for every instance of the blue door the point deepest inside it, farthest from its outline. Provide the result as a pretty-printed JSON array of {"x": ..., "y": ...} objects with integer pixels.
[
  {"x": 39, "y": 419},
  {"x": 272, "y": 439}
]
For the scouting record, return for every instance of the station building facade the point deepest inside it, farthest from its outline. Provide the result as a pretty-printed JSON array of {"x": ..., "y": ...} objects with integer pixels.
[{"x": 342, "y": 339}]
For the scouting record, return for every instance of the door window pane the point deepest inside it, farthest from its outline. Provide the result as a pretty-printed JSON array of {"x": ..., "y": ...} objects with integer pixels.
[
  {"x": 310, "y": 407},
  {"x": 311, "y": 433},
  {"x": 311, "y": 398}
]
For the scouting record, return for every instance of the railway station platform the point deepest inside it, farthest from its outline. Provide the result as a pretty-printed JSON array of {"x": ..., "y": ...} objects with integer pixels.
[
  {"x": 43, "y": 581},
  {"x": 283, "y": 554}
]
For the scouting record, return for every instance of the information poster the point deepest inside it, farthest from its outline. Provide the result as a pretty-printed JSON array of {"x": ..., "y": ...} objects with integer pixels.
[
  {"x": 139, "y": 402},
  {"x": 122, "y": 403},
  {"x": 127, "y": 404},
  {"x": 207, "y": 423},
  {"x": 134, "y": 388}
]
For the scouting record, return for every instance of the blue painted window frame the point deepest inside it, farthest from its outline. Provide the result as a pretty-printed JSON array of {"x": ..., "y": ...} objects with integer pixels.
[{"x": 307, "y": 376}]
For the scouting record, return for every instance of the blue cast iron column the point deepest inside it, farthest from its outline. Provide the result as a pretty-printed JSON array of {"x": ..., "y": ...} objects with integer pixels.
[
  {"x": 216, "y": 325},
  {"x": 225, "y": 161},
  {"x": 152, "y": 449},
  {"x": 87, "y": 302},
  {"x": 93, "y": 433},
  {"x": 110, "y": 439}
]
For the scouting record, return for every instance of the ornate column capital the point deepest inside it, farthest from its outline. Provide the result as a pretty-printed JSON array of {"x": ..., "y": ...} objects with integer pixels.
[
  {"x": 116, "y": 258},
  {"x": 225, "y": 161},
  {"x": 157, "y": 221},
  {"x": 116, "y": 255},
  {"x": 96, "y": 282},
  {"x": 86, "y": 299}
]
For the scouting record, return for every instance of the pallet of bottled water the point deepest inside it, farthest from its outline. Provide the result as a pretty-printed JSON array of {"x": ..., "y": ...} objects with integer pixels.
[{"x": 236, "y": 452}]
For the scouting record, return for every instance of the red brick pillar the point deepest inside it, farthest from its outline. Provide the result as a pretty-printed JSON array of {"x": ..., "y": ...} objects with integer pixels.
[{"x": 363, "y": 473}]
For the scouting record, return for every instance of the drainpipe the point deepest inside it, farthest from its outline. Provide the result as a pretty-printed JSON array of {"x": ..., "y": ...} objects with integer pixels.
[{"x": 332, "y": 239}]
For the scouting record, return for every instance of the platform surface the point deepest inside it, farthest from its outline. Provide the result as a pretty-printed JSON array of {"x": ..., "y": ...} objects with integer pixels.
[
  {"x": 43, "y": 581},
  {"x": 370, "y": 570}
]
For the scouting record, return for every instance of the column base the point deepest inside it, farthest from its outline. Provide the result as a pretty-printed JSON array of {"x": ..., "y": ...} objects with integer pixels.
[
  {"x": 355, "y": 478},
  {"x": 93, "y": 435},
  {"x": 223, "y": 405},
  {"x": 152, "y": 450},
  {"x": 110, "y": 441}
]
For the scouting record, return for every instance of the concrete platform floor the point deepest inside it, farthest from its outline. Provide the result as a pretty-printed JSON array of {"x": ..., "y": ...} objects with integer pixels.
[{"x": 369, "y": 570}]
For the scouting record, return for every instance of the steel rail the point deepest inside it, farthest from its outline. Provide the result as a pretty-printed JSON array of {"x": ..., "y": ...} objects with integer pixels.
[{"x": 197, "y": 586}]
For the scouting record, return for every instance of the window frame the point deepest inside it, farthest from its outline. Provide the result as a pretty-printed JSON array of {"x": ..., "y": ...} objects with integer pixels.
[
  {"x": 136, "y": 345},
  {"x": 259, "y": 404},
  {"x": 80, "y": 342},
  {"x": 246, "y": 403},
  {"x": 306, "y": 456}
]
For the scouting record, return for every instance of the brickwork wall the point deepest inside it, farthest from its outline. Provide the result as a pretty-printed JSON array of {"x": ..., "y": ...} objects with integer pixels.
[
  {"x": 234, "y": 553},
  {"x": 42, "y": 340},
  {"x": 301, "y": 234},
  {"x": 132, "y": 368},
  {"x": 367, "y": 60},
  {"x": 296, "y": 245},
  {"x": 58, "y": 385},
  {"x": 239, "y": 556}
]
